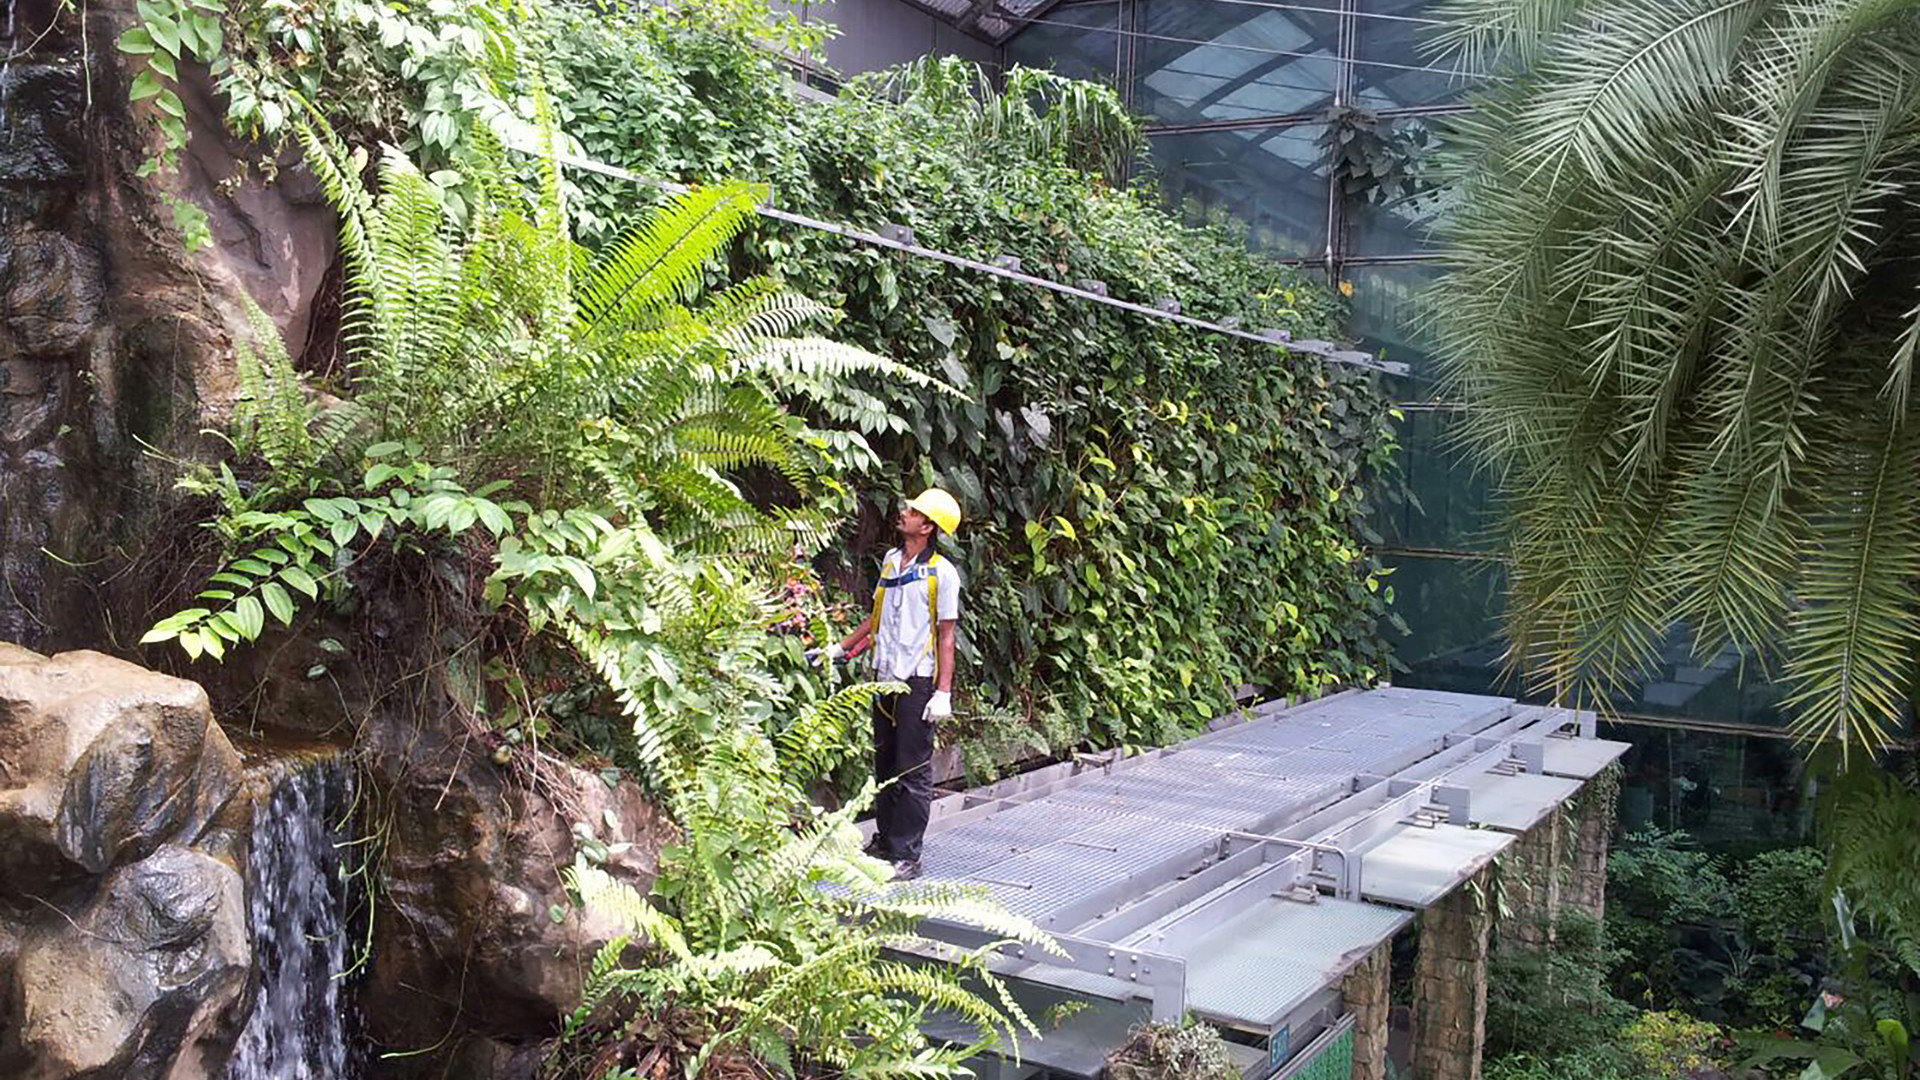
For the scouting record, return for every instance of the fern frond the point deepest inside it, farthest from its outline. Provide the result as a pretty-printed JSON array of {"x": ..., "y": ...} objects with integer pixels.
[
  {"x": 272, "y": 416},
  {"x": 815, "y": 356},
  {"x": 819, "y": 737},
  {"x": 660, "y": 261},
  {"x": 602, "y": 892}
]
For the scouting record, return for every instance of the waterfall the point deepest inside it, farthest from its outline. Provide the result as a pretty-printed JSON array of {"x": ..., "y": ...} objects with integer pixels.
[{"x": 302, "y": 1026}]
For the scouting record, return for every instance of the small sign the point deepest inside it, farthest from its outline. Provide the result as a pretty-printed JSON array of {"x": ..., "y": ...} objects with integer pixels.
[{"x": 1279, "y": 1047}]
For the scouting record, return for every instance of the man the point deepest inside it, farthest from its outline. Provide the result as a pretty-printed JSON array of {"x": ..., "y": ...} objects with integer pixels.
[{"x": 916, "y": 606}]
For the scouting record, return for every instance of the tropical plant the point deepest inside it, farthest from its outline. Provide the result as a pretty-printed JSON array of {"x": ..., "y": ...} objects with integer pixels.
[
  {"x": 1031, "y": 112},
  {"x": 788, "y": 943},
  {"x": 1683, "y": 322},
  {"x": 610, "y": 419}
]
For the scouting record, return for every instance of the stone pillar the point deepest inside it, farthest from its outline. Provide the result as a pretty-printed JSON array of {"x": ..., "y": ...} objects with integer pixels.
[
  {"x": 1450, "y": 983},
  {"x": 1591, "y": 833},
  {"x": 1366, "y": 994},
  {"x": 1530, "y": 874}
]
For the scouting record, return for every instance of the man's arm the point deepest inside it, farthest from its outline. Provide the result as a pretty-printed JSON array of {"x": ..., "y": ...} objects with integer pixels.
[
  {"x": 943, "y": 657},
  {"x": 859, "y": 635}
]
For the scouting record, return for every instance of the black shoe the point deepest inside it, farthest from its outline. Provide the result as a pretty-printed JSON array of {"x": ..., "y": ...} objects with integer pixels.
[{"x": 906, "y": 869}]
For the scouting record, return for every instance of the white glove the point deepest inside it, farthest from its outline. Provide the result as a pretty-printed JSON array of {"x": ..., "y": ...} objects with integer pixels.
[
  {"x": 833, "y": 652},
  {"x": 940, "y": 705}
]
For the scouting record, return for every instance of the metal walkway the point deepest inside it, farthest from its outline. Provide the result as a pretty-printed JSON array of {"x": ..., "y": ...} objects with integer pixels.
[{"x": 1241, "y": 874}]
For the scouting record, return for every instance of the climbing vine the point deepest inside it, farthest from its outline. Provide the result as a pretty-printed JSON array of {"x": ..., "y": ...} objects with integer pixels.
[{"x": 172, "y": 32}]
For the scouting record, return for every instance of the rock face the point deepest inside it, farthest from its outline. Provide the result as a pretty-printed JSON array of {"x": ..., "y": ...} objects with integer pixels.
[
  {"x": 472, "y": 868},
  {"x": 146, "y": 973},
  {"x": 100, "y": 762},
  {"x": 111, "y": 335},
  {"x": 123, "y": 929}
]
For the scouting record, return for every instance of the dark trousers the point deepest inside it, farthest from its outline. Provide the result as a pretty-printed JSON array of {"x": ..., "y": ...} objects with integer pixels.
[{"x": 903, "y": 748}]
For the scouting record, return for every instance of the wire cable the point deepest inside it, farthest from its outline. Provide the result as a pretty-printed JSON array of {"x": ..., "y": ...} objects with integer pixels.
[{"x": 1323, "y": 349}]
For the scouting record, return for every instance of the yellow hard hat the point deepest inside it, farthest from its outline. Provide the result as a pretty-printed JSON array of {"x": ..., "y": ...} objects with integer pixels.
[{"x": 941, "y": 508}]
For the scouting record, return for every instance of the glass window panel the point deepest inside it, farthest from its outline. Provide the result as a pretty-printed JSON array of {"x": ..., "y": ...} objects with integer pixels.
[
  {"x": 1273, "y": 181},
  {"x": 1388, "y": 311},
  {"x": 1452, "y": 610},
  {"x": 1433, "y": 497},
  {"x": 1232, "y": 62},
  {"x": 1735, "y": 793},
  {"x": 1390, "y": 37},
  {"x": 1070, "y": 41}
]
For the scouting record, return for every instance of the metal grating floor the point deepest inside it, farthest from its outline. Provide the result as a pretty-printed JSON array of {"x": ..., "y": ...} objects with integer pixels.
[
  {"x": 1048, "y": 855},
  {"x": 1186, "y": 879}
]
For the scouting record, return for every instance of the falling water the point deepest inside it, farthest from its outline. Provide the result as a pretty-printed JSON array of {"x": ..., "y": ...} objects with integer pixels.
[{"x": 302, "y": 1026}]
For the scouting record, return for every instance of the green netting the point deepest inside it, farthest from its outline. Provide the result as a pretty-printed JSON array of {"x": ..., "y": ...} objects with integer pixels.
[{"x": 1331, "y": 1060}]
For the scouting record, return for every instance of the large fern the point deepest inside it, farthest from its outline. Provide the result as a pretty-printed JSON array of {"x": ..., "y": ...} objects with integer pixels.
[{"x": 790, "y": 939}]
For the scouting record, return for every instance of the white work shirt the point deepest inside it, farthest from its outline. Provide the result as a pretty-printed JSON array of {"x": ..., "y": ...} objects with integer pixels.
[{"x": 902, "y": 640}]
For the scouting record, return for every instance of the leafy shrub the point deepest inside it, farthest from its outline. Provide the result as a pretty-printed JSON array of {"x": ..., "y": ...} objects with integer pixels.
[
  {"x": 772, "y": 937},
  {"x": 1602, "y": 1062},
  {"x": 1670, "y": 1045},
  {"x": 1662, "y": 895}
]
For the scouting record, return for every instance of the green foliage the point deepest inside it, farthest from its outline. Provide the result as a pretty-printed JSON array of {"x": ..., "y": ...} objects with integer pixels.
[
  {"x": 1556, "y": 1001},
  {"x": 1864, "y": 1036},
  {"x": 776, "y": 935},
  {"x": 1671, "y": 1044},
  {"x": 1372, "y": 159},
  {"x": 1684, "y": 330},
  {"x": 1152, "y": 515},
  {"x": 172, "y": 32},
  {"x": 1605, "y": 1062},
  {"x": 1870, "y": 823}
]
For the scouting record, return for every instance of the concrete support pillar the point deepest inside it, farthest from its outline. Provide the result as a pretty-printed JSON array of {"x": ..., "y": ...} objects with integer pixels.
[
  {"x": 1592, "y": 832},
  {"x": 1366, "y": 991},
  {"x": 1530, "y": 883},
  {"x": 1450, "y": 983}
]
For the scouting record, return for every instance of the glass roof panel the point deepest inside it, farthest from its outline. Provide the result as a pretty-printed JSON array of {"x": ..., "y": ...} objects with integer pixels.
[
  {"x": 1079, "y": 50},
  {"x": 1400, "y": 39},
  {"x": 1229, "y": 62}
]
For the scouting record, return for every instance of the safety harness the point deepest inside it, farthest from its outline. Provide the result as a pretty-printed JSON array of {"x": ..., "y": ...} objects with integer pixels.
[{"x": 907, "y": 577}]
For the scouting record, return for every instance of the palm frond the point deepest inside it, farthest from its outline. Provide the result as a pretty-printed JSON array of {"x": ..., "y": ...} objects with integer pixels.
[{"x": 1852, "y": 642}]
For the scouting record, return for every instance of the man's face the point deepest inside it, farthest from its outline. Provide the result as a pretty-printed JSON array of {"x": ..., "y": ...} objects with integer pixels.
[{"x": 912, "y": 523}]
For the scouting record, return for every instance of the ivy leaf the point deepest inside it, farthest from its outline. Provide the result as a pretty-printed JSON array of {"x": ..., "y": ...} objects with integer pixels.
[
  {"x": 145, "y": 85},
  {"x": 166, "y": 34},
  {"x": 136, "y": 41}
]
